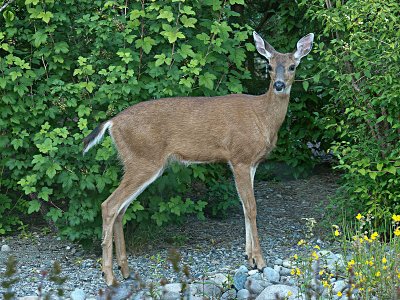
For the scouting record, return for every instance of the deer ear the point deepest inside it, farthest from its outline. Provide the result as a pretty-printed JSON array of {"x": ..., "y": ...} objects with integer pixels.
[
  {"x": 304, "y": 46},
  {"x": 263, "y": 47}
]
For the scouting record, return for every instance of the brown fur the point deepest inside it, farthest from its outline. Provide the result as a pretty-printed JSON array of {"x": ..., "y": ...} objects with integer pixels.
[{"x": 238, "y": 129}]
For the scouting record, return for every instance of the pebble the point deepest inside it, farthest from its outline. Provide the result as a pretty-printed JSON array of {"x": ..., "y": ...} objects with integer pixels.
[
  {"x": 5, "y": 248},
  {"x": 78, "y": 294}
]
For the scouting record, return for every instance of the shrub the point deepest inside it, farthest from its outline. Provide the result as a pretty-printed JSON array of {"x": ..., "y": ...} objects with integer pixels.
[
  {"x": 66, "y": 66},
  {"x": 358, "y": 49}
]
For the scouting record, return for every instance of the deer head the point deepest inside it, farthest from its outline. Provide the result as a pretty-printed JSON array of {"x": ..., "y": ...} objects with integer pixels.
[{"x": 282, "y": 66}]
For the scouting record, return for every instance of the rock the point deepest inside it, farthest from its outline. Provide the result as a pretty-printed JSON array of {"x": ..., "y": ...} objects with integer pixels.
[
  {"x": 271, "y": 275},
  {"x": 339, "y": 286},
  {"x": 282, "y": 270},
  {"x": 252, "y": 272},
  {"x": 240, "y": 277},
  {"x": 78, "y": 294},
  {"x": 278, "y": 262},
  {"x": 287, "y": 264},
  {"x": 219, "y": 279},
  {"x": 332, "y": 261},
  {"x": 229, "y": 295},
  {"x": 279, "y": 291},
  {"x": 29, "y": 298},
  {"x": 5, "y": 248},
  {"x": 254, "y": 286},
  {"x": 171, "y": 291},
  {"x": 207, "y": 289},
  {"x": 243, "y": 294}
]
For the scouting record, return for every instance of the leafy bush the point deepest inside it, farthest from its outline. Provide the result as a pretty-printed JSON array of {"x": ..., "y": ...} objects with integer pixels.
[
  {"x": 66, "y": 66},
  {"x": 358, "y": 49}
]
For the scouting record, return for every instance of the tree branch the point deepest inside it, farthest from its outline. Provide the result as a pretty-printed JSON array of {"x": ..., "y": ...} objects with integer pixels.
[{"x": 5, "y": 4}]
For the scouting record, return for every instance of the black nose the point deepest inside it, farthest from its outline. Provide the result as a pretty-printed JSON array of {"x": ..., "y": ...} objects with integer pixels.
[{"x": 279, "y": 85}]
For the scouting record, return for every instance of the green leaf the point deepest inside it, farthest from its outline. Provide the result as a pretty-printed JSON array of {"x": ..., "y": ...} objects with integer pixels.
[
  {"x": 166, "y": 14},
  {"x": 34, "y": 206},
  {"x": 54, "y": 214},
  {"x": 391, "y": 169},
  {"x": 61, "y": 47},
  {"x": 171, "y": 33},
  {"x": 305, "y": 85},
  {"x": 52, "y": 170},
  {"x": 39, "y": 38},
  {"x": 207, "y": 80},
  {"x": 188, "y": 22},
  {"x": 44, "y": 193},
  {"x": 45, "y": 16}
]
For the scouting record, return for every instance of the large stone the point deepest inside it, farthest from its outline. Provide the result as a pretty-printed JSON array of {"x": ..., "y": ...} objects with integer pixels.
[
  {"x": 219, "y": 279},
  {"x": 171, "y": 291},
  {"x": 243, "y": 294},
  {"x": 78, "y": 294},
  {"x": 229, "y": 295},
  {"x": 271, "y": 275},
  {"x": 339, "y": 286},
  {"x": 29, "y": 298},
  {"x": 254, "y": 286},
  {"x": 279, "y": 291},
  {"x": 240, "y": 278},
  {"x": 206, "y": 289}
]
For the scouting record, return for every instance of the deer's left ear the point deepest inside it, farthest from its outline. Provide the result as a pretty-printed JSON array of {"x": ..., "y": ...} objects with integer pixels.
[{"x": 304, "y": 46}]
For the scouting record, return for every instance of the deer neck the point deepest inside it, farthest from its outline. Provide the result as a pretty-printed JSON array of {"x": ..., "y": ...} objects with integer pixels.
[{"x": 276, "y": 106}]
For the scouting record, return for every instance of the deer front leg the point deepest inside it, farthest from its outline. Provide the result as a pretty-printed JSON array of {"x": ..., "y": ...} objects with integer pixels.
[
  {"x": 111, "y": 211},
  {"x": 244, "y": 184}
]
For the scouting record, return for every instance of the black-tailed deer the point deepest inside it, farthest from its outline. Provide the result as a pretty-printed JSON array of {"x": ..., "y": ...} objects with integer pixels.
[{"x": 237, "y": 129}]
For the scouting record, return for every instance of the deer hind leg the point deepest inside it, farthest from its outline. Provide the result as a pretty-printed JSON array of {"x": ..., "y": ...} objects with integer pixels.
[
  {"x": 244, "y": 175},
  {"x": 113, "y": 210},
  {"x": 120, "y": 248}
]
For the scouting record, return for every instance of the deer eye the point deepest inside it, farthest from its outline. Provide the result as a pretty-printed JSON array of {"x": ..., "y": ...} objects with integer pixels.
[
  {"x": 292, "y": 68},
  {"x": 269, "y": 68}
]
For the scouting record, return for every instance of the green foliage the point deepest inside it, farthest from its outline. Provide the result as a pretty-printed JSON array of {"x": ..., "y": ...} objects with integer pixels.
[
  {"x": 358, "y": 52},
  {"x": 66, "y": 66}
]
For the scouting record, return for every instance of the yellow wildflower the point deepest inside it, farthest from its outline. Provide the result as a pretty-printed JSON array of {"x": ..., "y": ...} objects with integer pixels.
[
  {"x": 293, "y": 271},
  {"x": 378, "y": 274},
  {"x": 321, "y": 272},
  {"x": 315, "y": 255},
  {"x": 295, "y": 256},
  {"x": 339, "y": 294},
  {"x": 397, "y": 231},
  {"x": 369, "y": 262},
  {"x": 337, "y": 233},
  {"x": 359, "y": 216},
  {"x": 351, "y": 263},
  {"x": 374, "y": 236},
  {"x": 301, "y": 242},
  {"x": 384, "y": 260},
  {"x": 325, "y": 283},
  {"x": 317, "y": 247},
  {"x": 396, "y": 218},
  {"x": 289, "y": 294},
  {"x": 385, "y": 267}
]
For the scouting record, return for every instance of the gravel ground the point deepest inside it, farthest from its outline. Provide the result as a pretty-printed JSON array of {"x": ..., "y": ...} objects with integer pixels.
[{"x": 208, "y": 246}]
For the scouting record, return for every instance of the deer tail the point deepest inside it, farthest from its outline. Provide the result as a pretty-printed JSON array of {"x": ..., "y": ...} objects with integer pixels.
[{"x": 95, "y": 136}]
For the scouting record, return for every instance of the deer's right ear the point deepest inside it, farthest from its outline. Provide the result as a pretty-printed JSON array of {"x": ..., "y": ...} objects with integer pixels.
[{"x": 263, "y": 47}]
